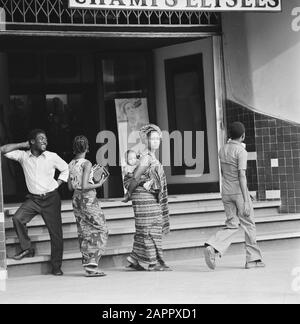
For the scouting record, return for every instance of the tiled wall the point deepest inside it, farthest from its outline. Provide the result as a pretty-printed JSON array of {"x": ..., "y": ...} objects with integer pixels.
[
  {"x": 2, "y": 228},
  {"x": 235, "y": 112},
  {"x": 275, "y": 173}
]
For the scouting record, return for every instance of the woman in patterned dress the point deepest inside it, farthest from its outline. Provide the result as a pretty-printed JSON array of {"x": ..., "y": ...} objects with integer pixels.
[
  {"x": 91, "y": 223},
  {"x": 150, "y": 207}
]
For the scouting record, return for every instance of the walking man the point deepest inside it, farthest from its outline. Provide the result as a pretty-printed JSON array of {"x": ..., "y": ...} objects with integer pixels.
[
  {"x": 237, "y": 203},
  {"x": 39, "y": 168}
]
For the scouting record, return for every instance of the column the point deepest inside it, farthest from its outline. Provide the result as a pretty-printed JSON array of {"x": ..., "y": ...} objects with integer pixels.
[
  {"x": 3, "y": 104},
  {"x": 2, "y": 233}
]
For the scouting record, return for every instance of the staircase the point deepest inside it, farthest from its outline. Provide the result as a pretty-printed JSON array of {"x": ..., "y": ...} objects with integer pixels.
[{"x": 193, "y": 219}]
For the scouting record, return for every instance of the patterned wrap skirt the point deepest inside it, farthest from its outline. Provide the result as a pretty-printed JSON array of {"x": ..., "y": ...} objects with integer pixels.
[
  {"x": 91, "y": 225},
  {"x": 147, "y": 246}
]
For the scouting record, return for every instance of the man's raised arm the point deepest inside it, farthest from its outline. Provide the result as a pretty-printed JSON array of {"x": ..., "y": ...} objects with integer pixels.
[{"x": 14, "y": 147}]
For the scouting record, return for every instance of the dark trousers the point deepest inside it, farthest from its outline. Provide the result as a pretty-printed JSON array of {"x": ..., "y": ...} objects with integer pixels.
[{"x": 49, "y": 207}]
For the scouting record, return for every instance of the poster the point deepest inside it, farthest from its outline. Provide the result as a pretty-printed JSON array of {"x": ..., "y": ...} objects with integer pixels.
[{"x": 132, "y": 114}]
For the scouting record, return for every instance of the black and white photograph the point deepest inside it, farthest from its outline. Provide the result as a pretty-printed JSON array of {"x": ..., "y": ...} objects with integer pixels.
[{"x": 149, "y": 155}]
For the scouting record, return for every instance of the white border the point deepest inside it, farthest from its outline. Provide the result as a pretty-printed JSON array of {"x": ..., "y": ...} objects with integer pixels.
[
  {"x": 1, "y": 217},
  {"x": 3, "y": 274},
  {"x": 170, "y": 5}
]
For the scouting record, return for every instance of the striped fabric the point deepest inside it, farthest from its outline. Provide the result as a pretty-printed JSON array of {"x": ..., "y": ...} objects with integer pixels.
[
  {"x": 151, "y": 221},
  {"x": 147, "y": 247}
]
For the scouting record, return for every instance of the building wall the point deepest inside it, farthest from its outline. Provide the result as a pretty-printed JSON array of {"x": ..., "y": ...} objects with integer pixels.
[
  {"x": 273, "y": 146},
  {"x": 262, "y": 71},
  {"x": 262, "y": 60}
]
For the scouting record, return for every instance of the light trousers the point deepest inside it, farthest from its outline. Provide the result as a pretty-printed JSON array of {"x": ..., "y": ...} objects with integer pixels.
[{"x": 234, "y": 209}]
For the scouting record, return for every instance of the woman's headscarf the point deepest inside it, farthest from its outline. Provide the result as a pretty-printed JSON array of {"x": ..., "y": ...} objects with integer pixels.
[{"x": 145, "y": 130}]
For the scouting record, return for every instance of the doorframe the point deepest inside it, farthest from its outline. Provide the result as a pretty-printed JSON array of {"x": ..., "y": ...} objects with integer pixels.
[{"x": 220, "y": 95}]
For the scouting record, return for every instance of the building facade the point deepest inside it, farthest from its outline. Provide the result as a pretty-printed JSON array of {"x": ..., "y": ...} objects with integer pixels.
[{"x": 73, "y": 71}]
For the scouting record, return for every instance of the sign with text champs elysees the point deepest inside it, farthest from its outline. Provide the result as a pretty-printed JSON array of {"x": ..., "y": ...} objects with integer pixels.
[{"x": 178, "y": 5}]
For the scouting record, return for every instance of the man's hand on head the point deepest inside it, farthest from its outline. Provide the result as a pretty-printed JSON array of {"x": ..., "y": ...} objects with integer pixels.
[{"x": 26, "y": 145}]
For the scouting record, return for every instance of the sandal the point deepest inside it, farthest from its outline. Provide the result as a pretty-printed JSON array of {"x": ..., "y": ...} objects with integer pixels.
[
  {"x": 160, "y": 267},
  {"x": 135, "y": 267},
  {"x": 91, "y": 268},
  {"x": 166, "y": 268},
  {"x": 94, "y": 272},
  {"x": 90, "y": 264}
]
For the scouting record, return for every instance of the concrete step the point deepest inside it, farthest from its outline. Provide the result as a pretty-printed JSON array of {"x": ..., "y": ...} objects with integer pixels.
[
  {"x": 180, "y": 231},
  {"x": 193, "y": 219},
  {"x": 120, "y": 216},
  {"x": 38, "y": 234},
  {"x": 116, "y": 257},
  {"x": 126, "y": 213},
  {"x": 37, "y": 226},
  {"x": 122, "y": 224},
  {"x": 202, "y": 204}
]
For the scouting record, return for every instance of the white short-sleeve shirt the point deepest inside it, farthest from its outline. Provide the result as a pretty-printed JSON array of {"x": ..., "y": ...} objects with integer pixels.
[{"x": 40, "y": 171}]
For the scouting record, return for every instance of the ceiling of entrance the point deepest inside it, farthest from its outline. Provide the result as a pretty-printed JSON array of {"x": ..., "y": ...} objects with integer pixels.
[{"x": 17, "y": 42}]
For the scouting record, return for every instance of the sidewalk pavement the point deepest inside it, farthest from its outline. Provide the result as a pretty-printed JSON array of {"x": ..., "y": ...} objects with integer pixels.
[{"x": 189, "y": 282}]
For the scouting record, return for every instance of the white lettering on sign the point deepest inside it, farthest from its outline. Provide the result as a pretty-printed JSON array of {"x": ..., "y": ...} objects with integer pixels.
[
  {"x": 296, "y": 20},
  {"x": 179, "y": 5}
]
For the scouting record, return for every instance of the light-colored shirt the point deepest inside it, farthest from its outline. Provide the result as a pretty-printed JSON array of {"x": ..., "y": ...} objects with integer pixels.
[
  {"x": 40, "y": 171},
  {"x": 233, "y": 158}
]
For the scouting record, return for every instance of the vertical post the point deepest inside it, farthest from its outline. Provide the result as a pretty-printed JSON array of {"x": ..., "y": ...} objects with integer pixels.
[
  {"x": 3, "y": 100},
  {"x": 220, "y": 94},
  {"x": 3, "y": 272},
  {"x": 2, "y": 19}
]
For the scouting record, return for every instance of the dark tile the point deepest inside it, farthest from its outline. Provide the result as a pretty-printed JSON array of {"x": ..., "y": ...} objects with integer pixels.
[{"x": 287, "y": 130}]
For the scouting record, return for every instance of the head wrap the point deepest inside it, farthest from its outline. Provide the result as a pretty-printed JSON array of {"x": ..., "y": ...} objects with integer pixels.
[{"x": 145, "y": 130}]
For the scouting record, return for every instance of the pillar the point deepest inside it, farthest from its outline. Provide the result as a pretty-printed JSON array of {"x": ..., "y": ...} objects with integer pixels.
[{"x": 3, "y": 103}]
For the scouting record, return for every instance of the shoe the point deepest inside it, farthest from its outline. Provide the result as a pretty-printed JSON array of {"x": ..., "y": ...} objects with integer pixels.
[
  {"x": 210, "y": 257},
  {"x": 29, "y": 253},
  {"x": 57, "y": 272},
  {"x": 135, "y": 267},
  {"x": 160, "y": 267},
  {"x": 90, "y": 268},
  {"x": 90, "y": 264},
  {"x": 166, "y": 268},
  {"x": 95, "y": 274},
  {"x": 255, "y": 264}
]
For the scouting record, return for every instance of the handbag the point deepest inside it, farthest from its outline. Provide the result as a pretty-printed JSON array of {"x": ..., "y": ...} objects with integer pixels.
[{"x": 99, "y": 172}]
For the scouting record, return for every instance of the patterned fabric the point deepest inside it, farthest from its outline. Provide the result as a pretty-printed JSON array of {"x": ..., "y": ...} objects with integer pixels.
[
  {"x": 76, "y": 171},
  {"x": 145, "y": 130},
  {"x": 151, "y": 219},
  {"x": 91, "y": 225},
  {"x": 150, "y": 175}
]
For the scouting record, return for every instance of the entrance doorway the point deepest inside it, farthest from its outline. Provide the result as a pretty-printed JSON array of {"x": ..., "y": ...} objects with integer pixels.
[
  {"x": 176, "y": 85},
  {"x": 87, "y": 85},
  {"x": 185, "y": 102}
]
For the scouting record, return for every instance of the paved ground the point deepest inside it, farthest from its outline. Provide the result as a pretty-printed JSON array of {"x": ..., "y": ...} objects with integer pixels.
[{"x": 190, "y": 282}]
